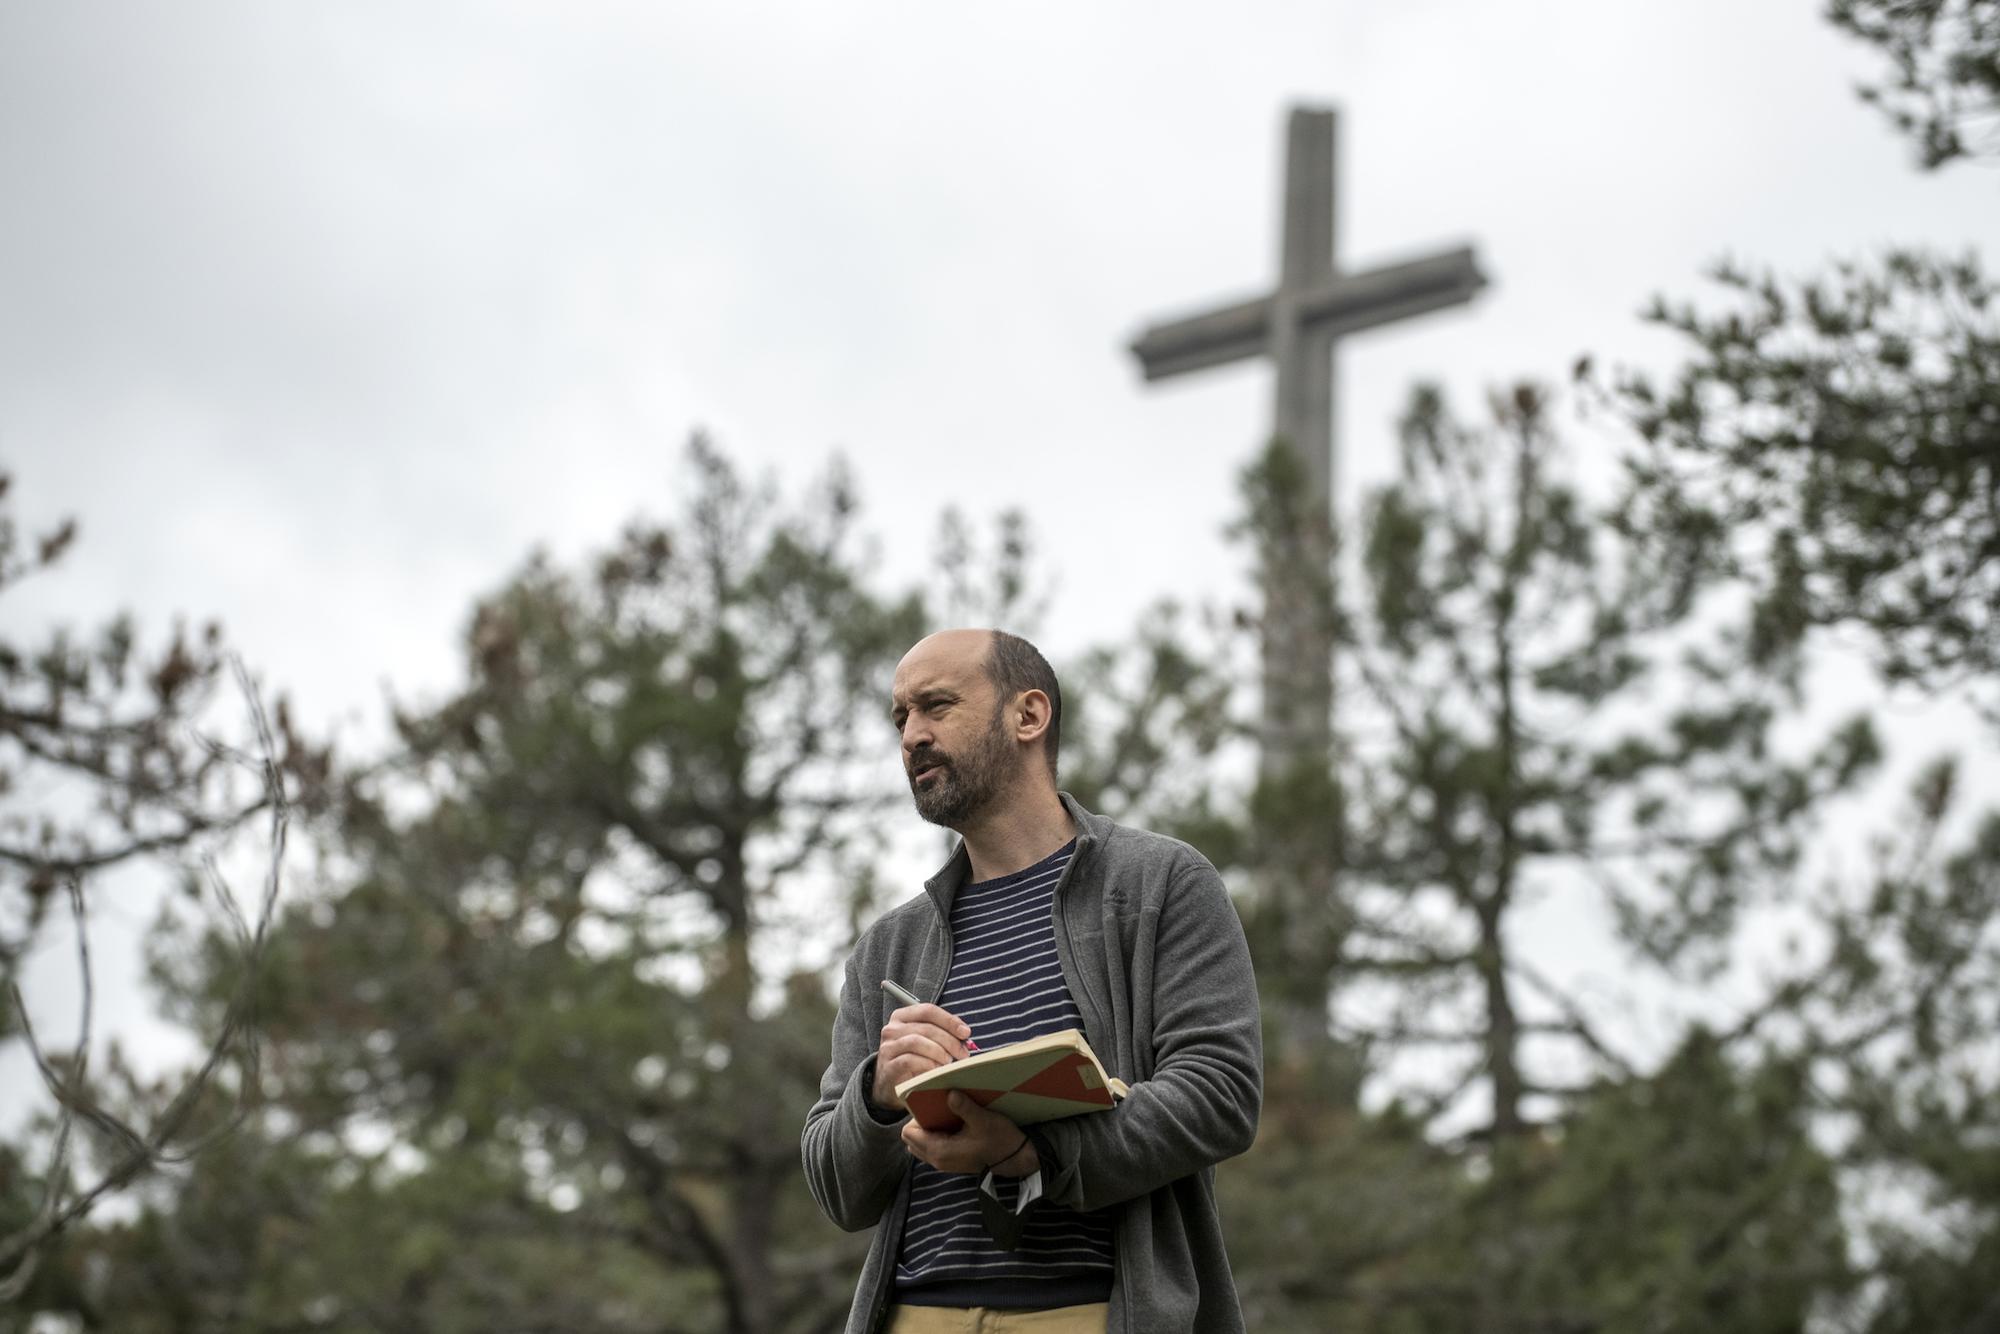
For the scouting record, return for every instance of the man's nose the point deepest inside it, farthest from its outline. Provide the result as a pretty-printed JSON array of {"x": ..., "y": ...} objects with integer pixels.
[{"x": 915, "y": 733}]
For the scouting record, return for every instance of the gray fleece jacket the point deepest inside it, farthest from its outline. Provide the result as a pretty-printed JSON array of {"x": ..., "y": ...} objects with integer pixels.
[{"x": 1155, "y": 957}]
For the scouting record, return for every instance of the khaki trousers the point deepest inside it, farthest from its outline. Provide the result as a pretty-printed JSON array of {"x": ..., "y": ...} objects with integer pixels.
[{"x": 985, "y": 1320}]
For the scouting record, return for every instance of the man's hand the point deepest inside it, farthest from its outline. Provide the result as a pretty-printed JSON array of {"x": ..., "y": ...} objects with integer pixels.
[
  {"x": 916, "y": 1038},
  {"x": 987, "y": 1139}
]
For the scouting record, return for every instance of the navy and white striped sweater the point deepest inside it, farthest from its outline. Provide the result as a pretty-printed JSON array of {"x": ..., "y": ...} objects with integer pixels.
[{"x": 1006, "y": 983}]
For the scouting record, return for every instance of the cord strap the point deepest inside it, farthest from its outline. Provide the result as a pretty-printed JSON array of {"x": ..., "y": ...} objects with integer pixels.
[{"x": 1013, "y": 1153}]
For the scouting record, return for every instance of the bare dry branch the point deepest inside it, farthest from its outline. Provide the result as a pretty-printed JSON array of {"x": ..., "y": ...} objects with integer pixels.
[
  {"x": 163, "y": 1143},
  {"x": 16, "y": 1282}
]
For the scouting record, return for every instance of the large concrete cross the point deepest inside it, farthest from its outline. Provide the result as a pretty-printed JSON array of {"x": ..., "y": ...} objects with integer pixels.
[{"x": 1297, "y": 325}]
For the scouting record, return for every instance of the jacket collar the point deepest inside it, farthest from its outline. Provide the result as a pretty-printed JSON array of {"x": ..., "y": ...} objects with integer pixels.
[{"x": 951, "y": 877}]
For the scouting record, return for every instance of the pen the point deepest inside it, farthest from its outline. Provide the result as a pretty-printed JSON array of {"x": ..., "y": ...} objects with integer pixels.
[{"x": 904, "y": 996}]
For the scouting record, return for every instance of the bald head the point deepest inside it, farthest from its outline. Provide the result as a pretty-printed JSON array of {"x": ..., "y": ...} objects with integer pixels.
[{"x": 947, "y": 650}]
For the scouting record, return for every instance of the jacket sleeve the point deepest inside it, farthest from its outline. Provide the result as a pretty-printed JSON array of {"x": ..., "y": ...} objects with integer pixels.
[
  {"x": 1200, "y": 1106},
  {"x": 854, "y": 1160}
]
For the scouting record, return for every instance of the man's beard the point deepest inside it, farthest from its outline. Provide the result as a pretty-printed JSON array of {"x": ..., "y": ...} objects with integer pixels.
[{"x": 964, "y": 784}]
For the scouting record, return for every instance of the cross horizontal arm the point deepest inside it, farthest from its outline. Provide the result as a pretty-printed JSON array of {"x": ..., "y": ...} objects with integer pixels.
[{"x": 1344, "y": 304}]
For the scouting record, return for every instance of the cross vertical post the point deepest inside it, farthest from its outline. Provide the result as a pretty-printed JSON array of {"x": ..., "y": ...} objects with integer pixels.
[
  {"x": 1298, "y": 324},
  {"x": 1297, "y": 731}
]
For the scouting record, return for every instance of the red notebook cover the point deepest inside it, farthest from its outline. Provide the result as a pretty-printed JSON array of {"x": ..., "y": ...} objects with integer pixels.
[{"x": 1039, "y": 1080}]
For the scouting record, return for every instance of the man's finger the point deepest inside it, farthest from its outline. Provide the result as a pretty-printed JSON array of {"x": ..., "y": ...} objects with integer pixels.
[
  {"x": 920, "y": 1046},
  {"x": 936, "y": 1016},
  {"x": 951, "y": 1047},
  {"x": 945, "y": 1152},
  {"x": 919, "y": 1141},
  {"x": 972, "y": 1111},
  {"x": 949, "y": 1035}
]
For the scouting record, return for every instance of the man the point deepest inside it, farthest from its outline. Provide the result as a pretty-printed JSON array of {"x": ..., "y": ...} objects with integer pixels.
[{"x": 1046, "y": 917}]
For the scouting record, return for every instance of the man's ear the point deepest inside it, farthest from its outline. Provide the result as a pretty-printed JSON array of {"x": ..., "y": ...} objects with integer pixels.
[{"x": 1031, "y": 712}]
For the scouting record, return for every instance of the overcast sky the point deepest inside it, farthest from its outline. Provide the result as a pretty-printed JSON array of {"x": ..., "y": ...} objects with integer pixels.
[{"x": 319, "y": 316}]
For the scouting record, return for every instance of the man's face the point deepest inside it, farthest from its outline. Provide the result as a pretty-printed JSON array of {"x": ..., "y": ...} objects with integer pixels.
[{"x": 956, "y": 751}]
